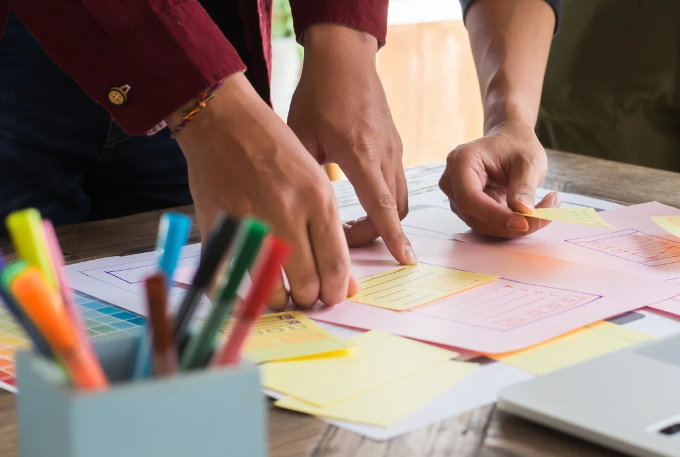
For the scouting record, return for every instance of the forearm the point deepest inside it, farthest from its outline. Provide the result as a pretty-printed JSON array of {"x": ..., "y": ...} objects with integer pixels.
[{"x": 510, "y": 43}]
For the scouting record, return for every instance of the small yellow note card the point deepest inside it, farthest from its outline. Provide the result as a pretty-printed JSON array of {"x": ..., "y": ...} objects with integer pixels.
[
  {"x": 408, "y": 287},
  {"x": 671, "y": 224},
  {"x": 387, "y": 405},
  {"x": 378, "y": 359},
  {"x": 291, "y": 335},
  {"x": 578, "y": 216},
  {"x": 574, "y": 347}
]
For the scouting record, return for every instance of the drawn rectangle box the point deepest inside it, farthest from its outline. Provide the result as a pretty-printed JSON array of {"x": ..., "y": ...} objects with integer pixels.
[{"x": 203, "y": 413}]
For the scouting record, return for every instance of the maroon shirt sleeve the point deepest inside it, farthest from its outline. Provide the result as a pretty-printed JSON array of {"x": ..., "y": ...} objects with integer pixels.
[
  {"x": 367, "y": 15},
  {"x": 167, "y": 51}
]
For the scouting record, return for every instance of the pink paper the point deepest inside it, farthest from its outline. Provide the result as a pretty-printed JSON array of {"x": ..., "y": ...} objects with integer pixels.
[
  {"x": 535, "y": 299},
  {"x": 638, "y": 245},
  {"x": 185, "y": 275}
]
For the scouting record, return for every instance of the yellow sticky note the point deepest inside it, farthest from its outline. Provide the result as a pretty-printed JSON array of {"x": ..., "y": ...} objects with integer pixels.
[
  {"x": 378, "y": 359},
  {"x": 671, "y": 224},
  {"x": 578, "y": 216},
  {"x": 571, "y": 348},
  {"x": 291, "y": 335},
  {"x": 408, "y": 287},
  {"x": 387, "y": 405}
]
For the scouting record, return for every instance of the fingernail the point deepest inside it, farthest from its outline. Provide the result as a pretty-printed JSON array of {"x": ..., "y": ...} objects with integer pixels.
[
  {"x": 557, "y": 201},
  {"x": 410, "y": 255},
  {"x": 525, "y": 208},
  {"x": 517, "y": 224}
]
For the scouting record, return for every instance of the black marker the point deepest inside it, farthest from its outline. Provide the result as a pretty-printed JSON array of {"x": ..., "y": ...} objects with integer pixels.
[{"x": 218, "y": 244}]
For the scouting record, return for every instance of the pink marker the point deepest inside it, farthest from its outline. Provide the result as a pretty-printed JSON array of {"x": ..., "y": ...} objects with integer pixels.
[{"x": 65, "y": 290}]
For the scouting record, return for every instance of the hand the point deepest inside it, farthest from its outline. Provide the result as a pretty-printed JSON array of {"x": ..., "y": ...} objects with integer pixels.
[
  {"x": 488, "y": 179},
  {"x": 340, "y": 114},
  {"x": 243, "y": 159}
]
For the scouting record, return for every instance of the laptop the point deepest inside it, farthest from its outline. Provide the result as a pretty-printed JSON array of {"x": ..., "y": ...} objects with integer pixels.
[{"x": 628, "y": 400}]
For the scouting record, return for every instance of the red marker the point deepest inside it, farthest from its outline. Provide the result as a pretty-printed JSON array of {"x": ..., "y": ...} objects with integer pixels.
[{"x": 264, "y": 280}]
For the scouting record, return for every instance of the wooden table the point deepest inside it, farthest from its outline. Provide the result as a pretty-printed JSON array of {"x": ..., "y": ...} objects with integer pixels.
[{"x": 482, "y": 432}]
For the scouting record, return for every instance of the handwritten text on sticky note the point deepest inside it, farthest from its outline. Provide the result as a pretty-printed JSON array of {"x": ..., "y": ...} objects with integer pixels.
[
  {"x": 291, "y": 335},
  {"x": 407, "y": 287}
]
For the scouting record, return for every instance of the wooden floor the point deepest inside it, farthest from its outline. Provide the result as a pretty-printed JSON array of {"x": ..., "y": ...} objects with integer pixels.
[{"x": 482, "y": 432}]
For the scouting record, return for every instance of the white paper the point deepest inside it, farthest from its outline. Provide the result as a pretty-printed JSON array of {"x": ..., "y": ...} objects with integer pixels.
[
  {"x": 430, "y": 214},
  {"x": 478, "y": 389},
  {"x": 119, "y": 280}
]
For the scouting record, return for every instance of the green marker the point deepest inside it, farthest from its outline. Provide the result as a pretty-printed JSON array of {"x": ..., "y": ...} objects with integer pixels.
[
  {"x": 246, "y": 247},
  {"x": 13, "y": 270}
]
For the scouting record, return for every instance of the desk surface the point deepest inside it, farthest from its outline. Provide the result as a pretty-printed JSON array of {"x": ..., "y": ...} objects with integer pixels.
[{"x": 484, "y": 432}]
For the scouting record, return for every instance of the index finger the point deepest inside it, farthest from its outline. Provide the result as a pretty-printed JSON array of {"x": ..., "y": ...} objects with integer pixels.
[{"x": 381, "y": 207}]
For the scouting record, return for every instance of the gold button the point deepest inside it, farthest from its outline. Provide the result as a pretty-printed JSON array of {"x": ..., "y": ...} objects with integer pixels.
[{"x": 118, "y": 95}]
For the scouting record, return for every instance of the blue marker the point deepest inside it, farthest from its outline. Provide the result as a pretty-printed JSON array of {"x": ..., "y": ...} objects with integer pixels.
[{"x": 173, "y": 233}]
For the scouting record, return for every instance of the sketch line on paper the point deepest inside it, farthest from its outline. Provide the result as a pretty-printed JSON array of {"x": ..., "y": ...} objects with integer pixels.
[
  {"x": 116, "y": 274},
  {"x": 505, "y": 305},
  {"x": 634, "y": 246}
]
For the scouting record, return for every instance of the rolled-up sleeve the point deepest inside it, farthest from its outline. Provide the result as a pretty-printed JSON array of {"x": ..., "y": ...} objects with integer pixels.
[
  {"x": 555, "y": 4},
  {"x": 165, "y": 51},
  {"x": 367, "y": 15}
]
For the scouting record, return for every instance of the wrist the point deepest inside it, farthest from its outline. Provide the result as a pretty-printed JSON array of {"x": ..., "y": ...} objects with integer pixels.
[
  {"x": 503, "y": 110},
  {"x": 232, "y": 88},
  {"x": 339, "y": 44}
]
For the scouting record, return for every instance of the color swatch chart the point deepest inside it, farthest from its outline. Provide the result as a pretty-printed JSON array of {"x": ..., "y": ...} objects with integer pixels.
[
  {"x": 103, "y": 320},
  {"x": 633, "y": 245}
]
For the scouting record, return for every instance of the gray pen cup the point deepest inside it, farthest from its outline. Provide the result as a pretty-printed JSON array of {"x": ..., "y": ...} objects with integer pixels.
[{"x": 216, "y": 412}]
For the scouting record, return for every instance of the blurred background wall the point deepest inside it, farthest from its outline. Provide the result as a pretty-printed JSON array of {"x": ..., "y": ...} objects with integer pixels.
[{"x": 426, "y": 69}]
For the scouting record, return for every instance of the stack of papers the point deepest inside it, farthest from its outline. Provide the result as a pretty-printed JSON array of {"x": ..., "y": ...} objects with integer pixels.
[{"x": 381, "y": 380}]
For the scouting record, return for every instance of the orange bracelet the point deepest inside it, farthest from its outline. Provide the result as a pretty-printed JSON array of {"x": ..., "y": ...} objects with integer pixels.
[{"x": 188, "y": 115}]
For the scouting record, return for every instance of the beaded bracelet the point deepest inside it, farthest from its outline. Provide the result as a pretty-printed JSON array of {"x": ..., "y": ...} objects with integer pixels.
[{"x": 189, "y": 114}]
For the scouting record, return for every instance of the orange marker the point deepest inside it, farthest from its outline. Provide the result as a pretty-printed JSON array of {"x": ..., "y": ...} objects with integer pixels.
[{"x": 44, "y": 307}]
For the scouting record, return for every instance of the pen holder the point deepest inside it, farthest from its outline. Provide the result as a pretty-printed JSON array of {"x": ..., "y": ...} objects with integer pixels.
[{"x": 216, "y": 412}]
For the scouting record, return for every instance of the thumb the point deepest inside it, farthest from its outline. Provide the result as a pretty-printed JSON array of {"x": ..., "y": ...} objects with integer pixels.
[{"x": 522, "y": 183}]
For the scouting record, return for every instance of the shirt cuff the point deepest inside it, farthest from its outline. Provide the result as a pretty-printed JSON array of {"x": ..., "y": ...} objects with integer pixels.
[
  {"x": 166, "y": 63},
  {"x": 367, "y": 15},
  {"x": 556, "y": 5},
  {"x": 168, "y": 60}
]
